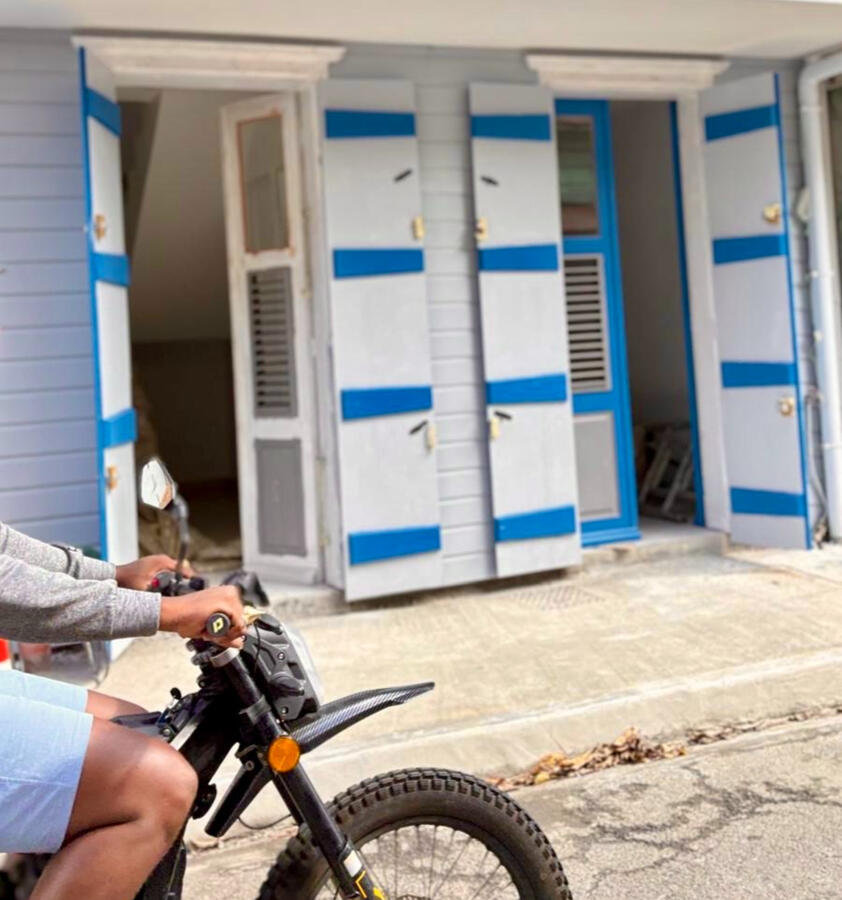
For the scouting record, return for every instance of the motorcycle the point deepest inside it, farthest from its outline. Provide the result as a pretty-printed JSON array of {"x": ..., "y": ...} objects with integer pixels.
[{"x": 413, "y": 834}]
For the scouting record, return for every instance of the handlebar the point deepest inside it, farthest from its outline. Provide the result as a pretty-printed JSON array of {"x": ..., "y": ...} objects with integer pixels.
[{"x": 218, "y": 625}]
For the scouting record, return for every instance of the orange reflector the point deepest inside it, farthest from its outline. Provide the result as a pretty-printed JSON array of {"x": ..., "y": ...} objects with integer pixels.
[{"x": 283, "y": 754}]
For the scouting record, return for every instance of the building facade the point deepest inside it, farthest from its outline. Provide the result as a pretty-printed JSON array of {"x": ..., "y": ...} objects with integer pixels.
[{"x": 452, "y": 292}]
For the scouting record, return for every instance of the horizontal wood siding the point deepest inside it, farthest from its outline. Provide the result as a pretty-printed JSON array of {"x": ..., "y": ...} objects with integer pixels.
[
  {"x": 442, "y": 78},
  {"x": 48, "y": 460}
]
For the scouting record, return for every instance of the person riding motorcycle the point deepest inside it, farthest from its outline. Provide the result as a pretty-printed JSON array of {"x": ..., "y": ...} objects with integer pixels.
[{"x": 106, "y": 800}]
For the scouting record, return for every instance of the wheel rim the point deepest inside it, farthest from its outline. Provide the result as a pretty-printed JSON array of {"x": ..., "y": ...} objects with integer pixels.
[{"x": 430, "y": 861}]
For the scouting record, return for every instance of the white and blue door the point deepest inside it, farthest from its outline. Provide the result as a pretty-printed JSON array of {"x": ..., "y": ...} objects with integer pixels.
[
  {"x": 761, "y": 406},
  {"x": 380, "y": 339},
  {"x": 596, "y": 331},
  {"x": 109, "y": 279},
  {"x": 524, "y": 335}
]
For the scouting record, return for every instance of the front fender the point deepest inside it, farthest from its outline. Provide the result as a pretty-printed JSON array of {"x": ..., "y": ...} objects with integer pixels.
[{"x": 313, "y": 730}]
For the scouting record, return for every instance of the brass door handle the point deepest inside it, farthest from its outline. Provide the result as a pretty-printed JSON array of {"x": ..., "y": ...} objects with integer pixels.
[
  {"x": 786, "y": 406},
  {"x": 773, "y": 213}
]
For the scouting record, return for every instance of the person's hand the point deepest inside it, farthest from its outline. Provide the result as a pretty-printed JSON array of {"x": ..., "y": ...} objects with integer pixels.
[
  {"x": 187, "y": 615},
  {"x": 138, "y": 575}
]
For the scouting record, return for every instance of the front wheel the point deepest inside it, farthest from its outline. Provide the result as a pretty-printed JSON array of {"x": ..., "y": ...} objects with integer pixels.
[{"x": 429, "y": 834}]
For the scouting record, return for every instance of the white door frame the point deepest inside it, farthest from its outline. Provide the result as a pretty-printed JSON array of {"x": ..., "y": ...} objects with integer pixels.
[
  {"x": 681, "y": 80},
  {"x": 271, "y": 68}
]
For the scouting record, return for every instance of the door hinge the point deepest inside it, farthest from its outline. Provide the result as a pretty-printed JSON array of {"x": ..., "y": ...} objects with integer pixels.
[
  {"x": 100, "y": 227},
  {"x": 111, "y": 478},
  {"x": 481, "y": 229},
  {"x": 418, "y": 228}
]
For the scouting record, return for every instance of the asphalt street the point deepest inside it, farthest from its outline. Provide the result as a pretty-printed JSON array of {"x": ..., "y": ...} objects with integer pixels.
[{"x": 756, "y": 817}]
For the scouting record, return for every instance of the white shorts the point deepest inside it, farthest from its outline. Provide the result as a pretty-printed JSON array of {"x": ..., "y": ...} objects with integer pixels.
[{"x": 44, "y": 732}]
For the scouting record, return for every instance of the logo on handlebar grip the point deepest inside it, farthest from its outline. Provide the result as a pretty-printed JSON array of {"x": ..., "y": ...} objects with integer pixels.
[{"x": 217, "y": 625}]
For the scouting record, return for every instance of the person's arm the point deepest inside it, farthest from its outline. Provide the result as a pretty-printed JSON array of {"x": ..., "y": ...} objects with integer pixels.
[
  {"x": 52, "y": 558},
  {"x": 41, "y": 606}
]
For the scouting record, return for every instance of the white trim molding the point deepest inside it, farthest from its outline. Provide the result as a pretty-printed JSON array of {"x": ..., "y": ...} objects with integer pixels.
[
  {"x": 624, "y": 76},
  {"x": 223, "y": 65}
]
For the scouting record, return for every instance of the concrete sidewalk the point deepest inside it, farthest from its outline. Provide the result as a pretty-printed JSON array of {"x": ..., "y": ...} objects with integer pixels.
[{"x": 661, "y": 644}]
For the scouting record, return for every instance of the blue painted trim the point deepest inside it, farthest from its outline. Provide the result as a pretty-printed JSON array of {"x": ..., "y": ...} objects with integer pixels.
[
  {"x": 110, "y": 267},
  {"x": 86, "y": 164},
  {"x": 119, "y": 429},
  {"x": 542, "y": 523},
  {"x": 369, "y": 546},
  {"x": 758, "y": 374},
  {"x": 799, "y": 404},
  {"x": 742, "y": 249},
  {"x": 526, "y": 258},
  {"x": 365, "y": 403},
  {"x": 616, "y": 401},
  {"x": 514, "y": 127},
  {"x": 105, "y": 111},
  {"x": 537, "y": 389},
  {"x": 361, "y": 123},
  {"x": 698, "y": 481},
  {"x": 600, "y": 531},
  {"x": 370, "y": 262},
  {"x": 740, "y": 121},
  {"x": 748, "y": 501}
]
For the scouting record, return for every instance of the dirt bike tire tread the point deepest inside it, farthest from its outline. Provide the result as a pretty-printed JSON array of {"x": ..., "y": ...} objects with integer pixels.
[{"x": 299, "y": 858}]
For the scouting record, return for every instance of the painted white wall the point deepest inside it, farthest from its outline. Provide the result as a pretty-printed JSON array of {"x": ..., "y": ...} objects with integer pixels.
[
  {"x": 649, "y": 251},
  {"x": 179, "y": 270},
  {"x": 721, "y": 27},
  {"x": 180, "y": 324}
]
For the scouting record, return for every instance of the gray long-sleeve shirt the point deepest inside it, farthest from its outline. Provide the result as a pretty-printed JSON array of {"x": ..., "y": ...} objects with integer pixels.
[{"x": 53, "y": 594}]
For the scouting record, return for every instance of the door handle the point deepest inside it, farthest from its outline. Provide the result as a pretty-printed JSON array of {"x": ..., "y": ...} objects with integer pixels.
[
  {"x": 430, "y": 434},
  {"x": 494, "y": 421},
  {"x": 773, "y": 213},
  {"x": 786, "y": 406}
]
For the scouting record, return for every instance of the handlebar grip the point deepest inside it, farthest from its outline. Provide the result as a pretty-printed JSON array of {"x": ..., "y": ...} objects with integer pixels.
[{"x": 218, "y": 625}]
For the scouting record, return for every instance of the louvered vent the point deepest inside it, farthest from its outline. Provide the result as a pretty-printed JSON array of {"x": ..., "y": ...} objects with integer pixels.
[
  {"x": 272, "y": 340},
  {"x": 584, "y": 288}
]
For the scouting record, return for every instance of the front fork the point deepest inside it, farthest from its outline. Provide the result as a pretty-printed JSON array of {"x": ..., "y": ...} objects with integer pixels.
[{"x": 352, "y": 875}]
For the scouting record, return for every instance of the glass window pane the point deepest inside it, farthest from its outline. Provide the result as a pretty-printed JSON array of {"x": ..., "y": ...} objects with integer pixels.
[
  {"x": 577, "y": 175},
  {"x": 264, "y": 184}
]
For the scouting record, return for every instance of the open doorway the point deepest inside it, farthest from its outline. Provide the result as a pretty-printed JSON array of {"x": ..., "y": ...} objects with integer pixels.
[
  {"x": 179, "y": 310},
  {"x": 651, "y": 256}
]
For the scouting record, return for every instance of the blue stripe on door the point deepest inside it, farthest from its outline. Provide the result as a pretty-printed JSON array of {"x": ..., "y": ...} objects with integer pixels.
[
  {"x": 365, "y": 403},
  {"x": 542, "y": 523},
  {"x": 105, "y": 111},
  {"x": 110, "y": 267},
  {"x": 526, "y": 258},
  {"x": 757, "y": 374},
  {"x": 362, "y": 263},
  {"x": 369, "y": 546},
  {"x": 118, "y": 429},
  {"x": 740, "y": 121},
  {"x": 361, "y": 123},
  {"x": 515, "y": 127},
  {"x": 741, "y": 249},
  {"x": 537, "y": 389},
  {"x": 750, "y": 501}
]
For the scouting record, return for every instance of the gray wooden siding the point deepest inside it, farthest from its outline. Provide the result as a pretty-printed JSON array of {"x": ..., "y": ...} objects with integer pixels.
[
  {"x": 442, "y": 78},
  {"x": 48, "y": 467}
]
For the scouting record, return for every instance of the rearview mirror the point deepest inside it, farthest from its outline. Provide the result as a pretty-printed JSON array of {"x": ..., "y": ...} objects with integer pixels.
[{"x": 157, "y": 487}]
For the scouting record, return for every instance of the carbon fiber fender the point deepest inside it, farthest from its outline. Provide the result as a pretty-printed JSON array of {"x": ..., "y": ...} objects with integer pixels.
[{"x": 313, "y": 730}]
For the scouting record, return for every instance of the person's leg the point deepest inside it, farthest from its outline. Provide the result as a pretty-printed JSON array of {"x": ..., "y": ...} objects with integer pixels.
[
  {"x": 103, "y": 706},
  {"x": 133, "y": 798}
]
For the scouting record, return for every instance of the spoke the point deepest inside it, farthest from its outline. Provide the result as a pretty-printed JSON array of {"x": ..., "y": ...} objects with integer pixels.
[
  {"x": 481, "y": 888},
  {"x": 449, "y": 872},
  {"x": 429, "y": 881}
]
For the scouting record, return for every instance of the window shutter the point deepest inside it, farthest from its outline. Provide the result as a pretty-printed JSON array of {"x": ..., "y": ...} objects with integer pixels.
[
  {"x": 272, "y": 337},
  {"x": 584, "y": 290}
]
